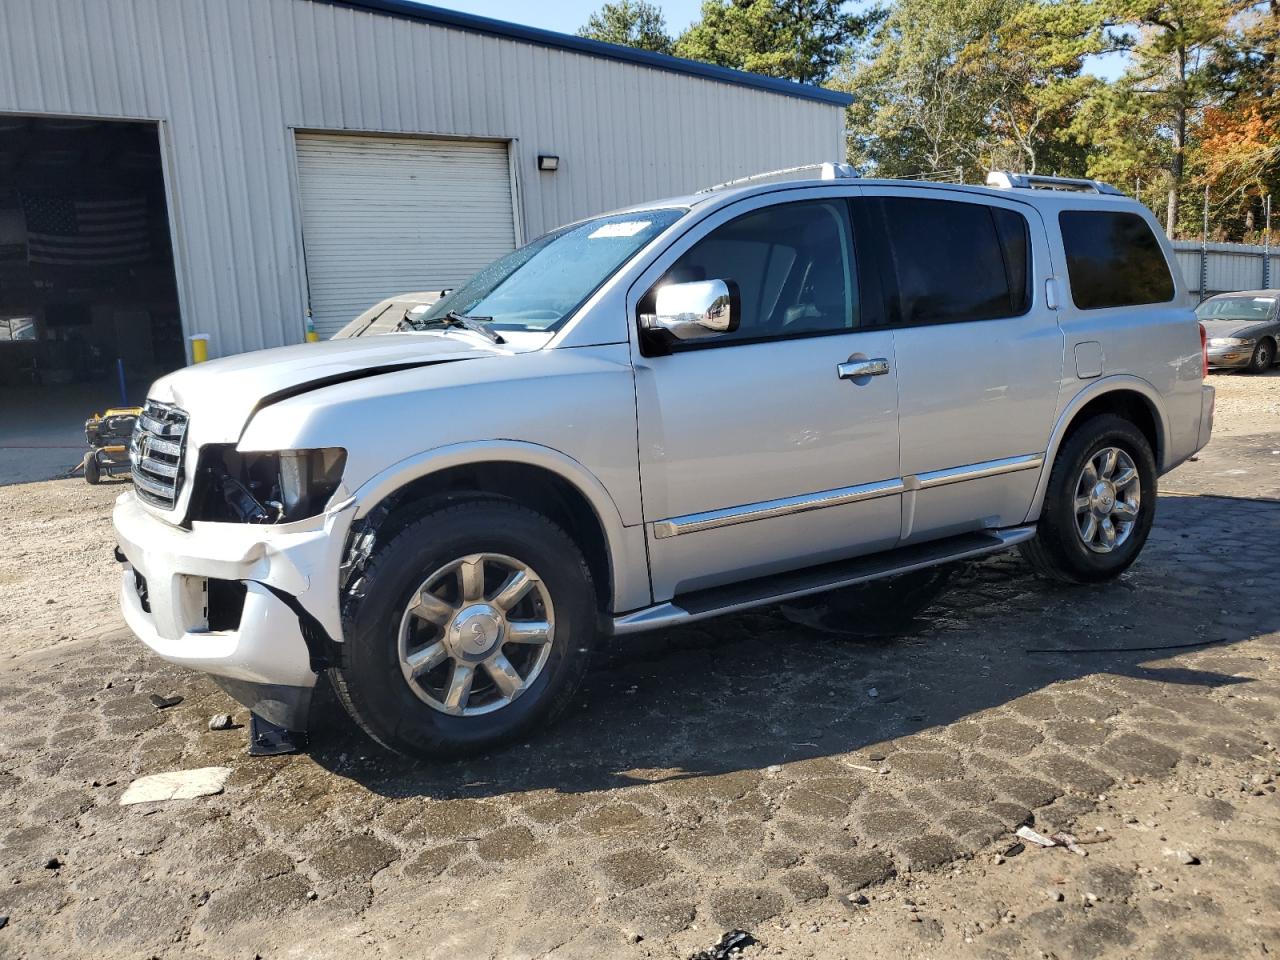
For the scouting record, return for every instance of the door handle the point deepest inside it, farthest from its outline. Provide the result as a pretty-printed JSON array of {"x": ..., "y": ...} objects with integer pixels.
[{"x": 854, "y": 369}]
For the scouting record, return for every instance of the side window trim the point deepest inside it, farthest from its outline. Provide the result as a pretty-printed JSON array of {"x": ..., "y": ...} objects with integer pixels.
[{"x": 879, "y": 286}]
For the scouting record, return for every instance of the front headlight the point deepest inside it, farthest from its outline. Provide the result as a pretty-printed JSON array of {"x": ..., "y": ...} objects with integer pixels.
[
  {"x": 277, "y": 487},
  {"x": 1230, "y": 342},
  {"x": 308, "y": 479}
]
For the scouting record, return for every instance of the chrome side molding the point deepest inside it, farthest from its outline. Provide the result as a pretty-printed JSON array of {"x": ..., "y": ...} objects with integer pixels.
[
  {"x": 728, "y": 516},
  {"x": 978, "y": 471},
  {"x": 711, "y": 519}
]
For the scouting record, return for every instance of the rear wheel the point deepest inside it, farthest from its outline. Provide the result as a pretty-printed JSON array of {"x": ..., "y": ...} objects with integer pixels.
[
  {"x": 92, "y": 472},
  {"x": 475, "y": 628},
  {"x": 1264, "y": 354},
  {"x": 1099, "y": 506}
]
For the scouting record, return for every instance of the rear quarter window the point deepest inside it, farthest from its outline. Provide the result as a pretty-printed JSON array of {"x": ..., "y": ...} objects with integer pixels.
[{"x": 1113, "y": 260}]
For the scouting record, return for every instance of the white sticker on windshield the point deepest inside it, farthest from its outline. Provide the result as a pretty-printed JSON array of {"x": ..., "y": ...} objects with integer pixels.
[
  {"x": 627, "y": 228},
  {"x": 1264, "y": 299}
]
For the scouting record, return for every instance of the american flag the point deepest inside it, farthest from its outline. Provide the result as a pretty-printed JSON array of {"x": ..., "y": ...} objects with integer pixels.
[{"x": 69, "y": 232}]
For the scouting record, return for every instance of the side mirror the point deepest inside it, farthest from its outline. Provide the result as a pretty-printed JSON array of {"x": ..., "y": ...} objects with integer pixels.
[{"x": 694, "y": 311}]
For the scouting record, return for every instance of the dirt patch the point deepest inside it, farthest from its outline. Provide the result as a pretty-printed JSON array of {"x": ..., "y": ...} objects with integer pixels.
[{"x": 58, "y": 578}]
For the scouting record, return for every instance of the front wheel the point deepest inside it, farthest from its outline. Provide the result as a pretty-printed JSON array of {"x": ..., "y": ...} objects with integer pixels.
[
  {"x": 1264, "y": 354},
  {"x": 475, "y": 627},
  {"x": 1099, "y": 506}
]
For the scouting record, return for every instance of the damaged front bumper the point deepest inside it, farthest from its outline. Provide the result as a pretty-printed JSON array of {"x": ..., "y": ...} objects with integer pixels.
[{"x": 253, "y": 605}]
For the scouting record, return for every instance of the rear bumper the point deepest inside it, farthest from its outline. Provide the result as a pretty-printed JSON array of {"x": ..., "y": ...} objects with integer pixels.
[
  {"x": 290, "y": 594},
  {"x": 1207, "y": 397}
]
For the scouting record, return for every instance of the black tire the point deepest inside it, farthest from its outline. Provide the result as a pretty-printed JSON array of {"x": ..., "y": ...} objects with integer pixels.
[
  {"x": 1264, "y": 355},
  {"x": 92, "y": 473},
  {"x": 368, "y": 680},
  {"x": 1057, "y": 551}
]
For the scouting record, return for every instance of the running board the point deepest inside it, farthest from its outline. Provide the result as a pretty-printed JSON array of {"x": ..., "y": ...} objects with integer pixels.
[{"x": 701, "y": 604}]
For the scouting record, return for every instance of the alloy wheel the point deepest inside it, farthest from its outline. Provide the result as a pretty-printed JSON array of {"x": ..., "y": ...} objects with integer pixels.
[
  {"x": 476, "y": 634},
  {"x": 1107, "y": 500}
]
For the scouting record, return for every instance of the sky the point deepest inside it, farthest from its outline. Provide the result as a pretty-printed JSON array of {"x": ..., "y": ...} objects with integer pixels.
[{"x": 566, "y": 16}]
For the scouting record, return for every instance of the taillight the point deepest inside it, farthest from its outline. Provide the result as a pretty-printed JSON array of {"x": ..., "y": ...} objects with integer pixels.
[{"x": 1204, "y": 353}]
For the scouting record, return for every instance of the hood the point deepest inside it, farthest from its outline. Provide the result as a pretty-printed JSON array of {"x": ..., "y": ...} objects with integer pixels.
[
  {"x": 1245, "y": 329},
  {"x": 221, "y": 395}
]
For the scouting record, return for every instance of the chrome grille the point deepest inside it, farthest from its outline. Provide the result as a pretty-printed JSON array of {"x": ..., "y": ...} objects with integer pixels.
[{"x": 155, "y": 453}]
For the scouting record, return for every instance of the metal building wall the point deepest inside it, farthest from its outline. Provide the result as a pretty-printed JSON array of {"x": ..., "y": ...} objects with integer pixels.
[
  {"x": 231, "y": 80},
  {"x": 1228, "y": 266}
]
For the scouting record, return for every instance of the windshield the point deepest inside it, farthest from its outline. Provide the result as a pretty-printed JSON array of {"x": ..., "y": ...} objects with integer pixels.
[
  {"x": 1236, "y": 308},
  {"x": 538, "y": 286}
]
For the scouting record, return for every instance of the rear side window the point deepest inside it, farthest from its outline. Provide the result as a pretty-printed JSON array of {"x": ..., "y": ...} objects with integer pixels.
[
  {"x": 1113, "y": 260},
  {"x": 954, "y": 261}
]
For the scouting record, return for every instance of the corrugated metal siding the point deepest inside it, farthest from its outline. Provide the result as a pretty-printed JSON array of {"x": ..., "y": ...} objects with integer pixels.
[
  {"x": 233, "y": 79},
  {"x": 1230, "y": 266},
  {"x": 389, "y": 215}
]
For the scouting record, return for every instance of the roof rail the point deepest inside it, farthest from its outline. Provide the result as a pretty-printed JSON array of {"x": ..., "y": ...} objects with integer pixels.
[
  {"x": 1005, "y": 180},
  {"x": 824, "y": 171}
]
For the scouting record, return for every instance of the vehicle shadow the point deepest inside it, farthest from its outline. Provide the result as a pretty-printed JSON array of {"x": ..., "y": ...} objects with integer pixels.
[{"x": 753, "y": 690}]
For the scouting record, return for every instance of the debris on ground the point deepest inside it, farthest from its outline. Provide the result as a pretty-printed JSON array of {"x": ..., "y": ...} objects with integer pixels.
[
  {"x": 53, "y": 863},
  {"x": 1067, "y": 840},
  {"x": 176, "y": 785},
  {"x": 163, "y": 703},
  {"x": 4, "y": 922},
  {"x": 730, "y": 945},
  {"x": 221, "y": 721},
  {"x": 1184, "y": 857}
]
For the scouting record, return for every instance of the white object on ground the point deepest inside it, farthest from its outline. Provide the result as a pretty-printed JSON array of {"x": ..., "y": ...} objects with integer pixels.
[
  {"x": 1056, "y": 840},
  {"x": 176, "y": 785},
  {"x": 1026, "y": 833}
]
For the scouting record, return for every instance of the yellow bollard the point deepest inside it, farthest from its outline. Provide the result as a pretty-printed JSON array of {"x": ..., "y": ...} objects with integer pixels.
[{"x": 199, "y": 347}]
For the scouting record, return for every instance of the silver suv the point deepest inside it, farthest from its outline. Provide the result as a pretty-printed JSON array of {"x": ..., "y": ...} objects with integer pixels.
[{"x": 683, "y": 409}]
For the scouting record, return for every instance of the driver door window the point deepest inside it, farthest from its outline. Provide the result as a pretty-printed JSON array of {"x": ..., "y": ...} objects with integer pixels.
[{"x": 793, "y": 265}]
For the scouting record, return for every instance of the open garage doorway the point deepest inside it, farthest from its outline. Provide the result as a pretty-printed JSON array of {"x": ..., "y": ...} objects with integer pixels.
[{"x": 86, "y": 281}]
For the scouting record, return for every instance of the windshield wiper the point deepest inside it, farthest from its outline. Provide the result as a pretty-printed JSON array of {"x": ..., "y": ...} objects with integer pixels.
[{"x": 478, "y": 325}]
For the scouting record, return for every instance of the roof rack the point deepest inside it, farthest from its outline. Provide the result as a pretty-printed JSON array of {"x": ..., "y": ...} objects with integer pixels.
[
  {"x": 1005, "y": 180},
  {"x": 818, "y": 171}
]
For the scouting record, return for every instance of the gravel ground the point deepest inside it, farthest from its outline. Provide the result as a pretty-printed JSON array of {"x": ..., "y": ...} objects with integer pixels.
[
  {"x": 58, "y": 579},
  {"x": 747, "y": 773}
]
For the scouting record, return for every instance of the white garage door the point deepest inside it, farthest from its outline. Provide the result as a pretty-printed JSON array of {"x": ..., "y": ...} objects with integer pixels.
[{"x": 389, "y": 215}]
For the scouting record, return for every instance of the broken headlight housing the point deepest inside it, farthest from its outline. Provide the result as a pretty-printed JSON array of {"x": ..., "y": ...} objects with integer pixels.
[{"x": 276, "y": 487}]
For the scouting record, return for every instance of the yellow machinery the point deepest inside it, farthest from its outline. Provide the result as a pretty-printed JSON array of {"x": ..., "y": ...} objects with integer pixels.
[{"x": 108, "y": 434}]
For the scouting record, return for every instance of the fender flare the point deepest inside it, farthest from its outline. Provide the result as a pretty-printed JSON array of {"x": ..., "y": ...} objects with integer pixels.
[
  {"x": 625, "y": 545},
  {"x": 1098, "y": 388}
]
